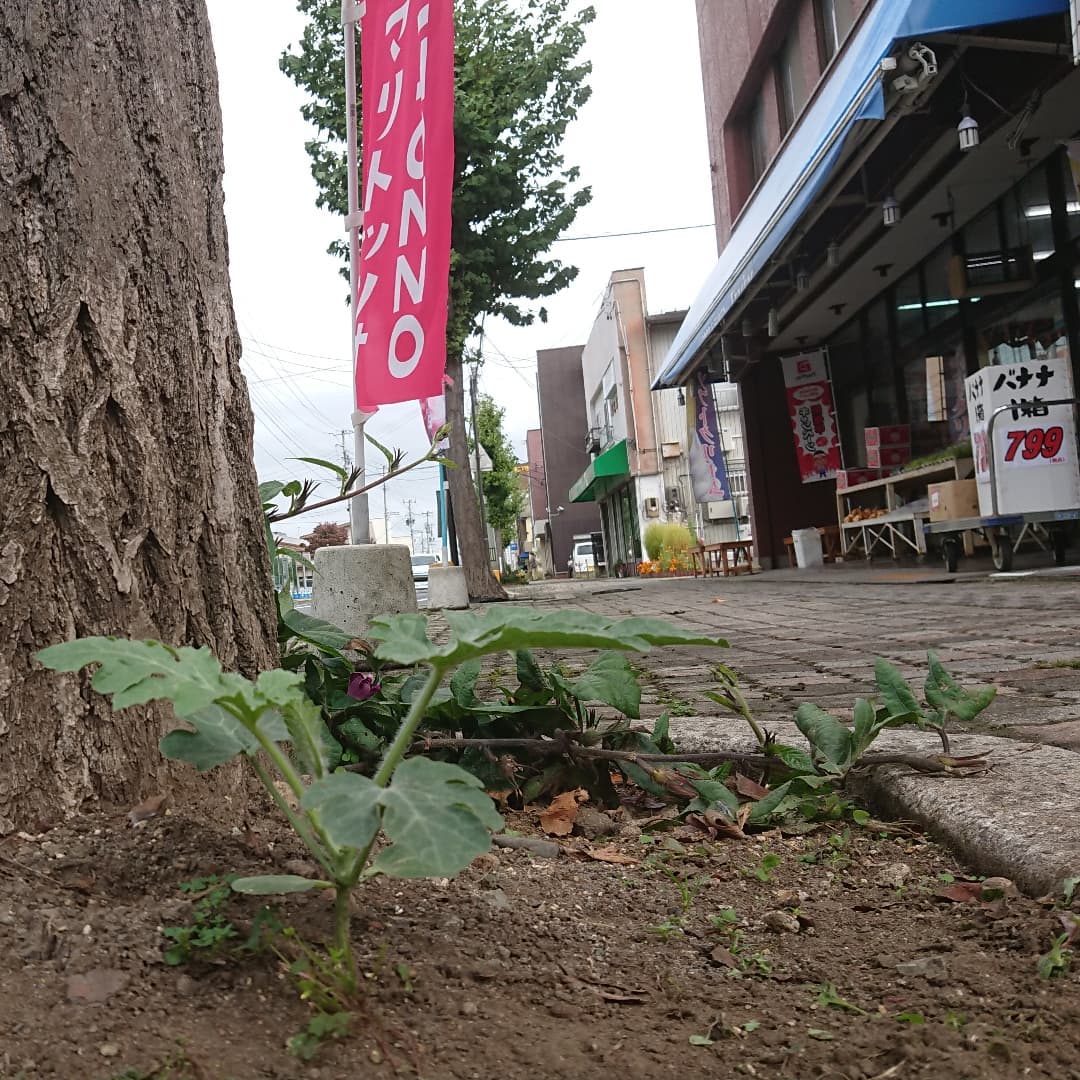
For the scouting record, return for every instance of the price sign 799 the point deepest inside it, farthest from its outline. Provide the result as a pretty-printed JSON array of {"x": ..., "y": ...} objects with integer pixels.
[{"x": 1035, "y": 444}]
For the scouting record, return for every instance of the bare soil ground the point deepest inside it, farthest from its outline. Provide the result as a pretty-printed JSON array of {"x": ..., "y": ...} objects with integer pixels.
[{"x": 538, "y": 968}]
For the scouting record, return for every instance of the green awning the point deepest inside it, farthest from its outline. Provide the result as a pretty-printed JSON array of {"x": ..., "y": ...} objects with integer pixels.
[{"x": 605, "y": 473}]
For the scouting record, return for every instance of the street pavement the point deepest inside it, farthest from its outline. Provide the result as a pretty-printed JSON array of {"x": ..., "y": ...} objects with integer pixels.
[{"x": 813, "y": 635}]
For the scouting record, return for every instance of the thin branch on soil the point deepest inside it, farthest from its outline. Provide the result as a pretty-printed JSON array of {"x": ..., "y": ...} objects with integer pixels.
[{"x": 563, "y": 744}]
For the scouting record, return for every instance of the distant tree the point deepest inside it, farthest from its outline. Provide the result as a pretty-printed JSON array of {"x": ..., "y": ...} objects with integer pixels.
[
  {"x": 504, "y": 497},
  {"x": 326, "y": 534},
  {"x": 519, "y": 83}
]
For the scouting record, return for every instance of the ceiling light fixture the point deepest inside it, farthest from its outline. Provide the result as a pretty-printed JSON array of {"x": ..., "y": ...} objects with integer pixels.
[
  {"x": 891, "y": 212},
  {"x": 774, "y": 323}
]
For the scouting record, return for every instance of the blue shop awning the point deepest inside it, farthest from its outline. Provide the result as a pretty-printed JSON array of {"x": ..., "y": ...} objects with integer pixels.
[{"x": 852, "y": 93}]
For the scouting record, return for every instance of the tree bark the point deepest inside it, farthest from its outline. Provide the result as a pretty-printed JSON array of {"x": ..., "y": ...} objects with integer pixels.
[
  {"x": 479, "y": 579},
  {"x": 129, "y": 494}
]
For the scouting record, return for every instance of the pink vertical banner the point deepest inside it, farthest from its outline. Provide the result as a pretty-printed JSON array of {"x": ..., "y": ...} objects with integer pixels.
[
  {"x": 407, "y": 65},
  {"x": 813, "y": 418}
]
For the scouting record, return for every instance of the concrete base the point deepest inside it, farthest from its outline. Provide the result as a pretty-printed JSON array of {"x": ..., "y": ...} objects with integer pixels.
[
  {"x": 353, "y": 583},
  {"x": 447, "y": 588}
]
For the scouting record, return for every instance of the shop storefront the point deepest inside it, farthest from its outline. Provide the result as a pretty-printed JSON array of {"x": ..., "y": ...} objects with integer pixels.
[{"x": 906, "y": 250}]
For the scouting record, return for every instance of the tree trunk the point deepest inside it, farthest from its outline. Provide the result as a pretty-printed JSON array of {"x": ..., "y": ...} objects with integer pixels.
[
  {"x": 129, "y": 495},
  {"x": 479, "y": 579}
]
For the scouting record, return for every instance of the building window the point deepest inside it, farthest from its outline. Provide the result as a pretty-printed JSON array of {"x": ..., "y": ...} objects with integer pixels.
[
  {"x": 790, "y": 80},
  {"x": 758, "y": 137},
  {"x": 835, "y": 19}
]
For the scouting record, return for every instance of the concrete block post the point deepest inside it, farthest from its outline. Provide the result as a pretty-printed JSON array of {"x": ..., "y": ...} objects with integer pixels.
[
  {"x": 447, "y": 588},
  {"x": 355, "y": 582}
]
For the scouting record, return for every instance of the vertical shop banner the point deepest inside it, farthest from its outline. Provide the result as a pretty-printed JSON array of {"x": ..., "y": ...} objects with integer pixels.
[
  {"x": 407, "y": 64},
  {"x": 708, "y": 470},
  {"x": 1034, "y": 444},
  {"x": 813, "y": 417},
  {"x": 433, "y": 412}
]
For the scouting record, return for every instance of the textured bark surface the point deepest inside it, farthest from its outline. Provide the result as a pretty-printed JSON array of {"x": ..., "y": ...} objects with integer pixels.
[
  {"x": 479, "y": 579},
  {"x": 129, "y": 496}
]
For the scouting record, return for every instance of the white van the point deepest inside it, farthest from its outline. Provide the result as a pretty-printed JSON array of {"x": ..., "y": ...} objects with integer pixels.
[{"x": 582, "y": 561}]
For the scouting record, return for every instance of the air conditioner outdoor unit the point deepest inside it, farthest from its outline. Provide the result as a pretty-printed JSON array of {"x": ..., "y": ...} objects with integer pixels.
[{"x": 724, "y": 510}]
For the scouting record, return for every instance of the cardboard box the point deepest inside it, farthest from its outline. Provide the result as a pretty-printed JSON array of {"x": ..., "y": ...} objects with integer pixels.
[
  {"x": 893, "y": 435},
  {"x": 953, "y": 500},
  {"x": 846, "y": 478},
  {"x": 887, "y": 457}
]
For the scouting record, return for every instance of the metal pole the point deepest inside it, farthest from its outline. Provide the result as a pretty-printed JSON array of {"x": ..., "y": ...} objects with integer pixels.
[
  {"x": 444, "y": 517},
  {"x": 351, "y": 11}
]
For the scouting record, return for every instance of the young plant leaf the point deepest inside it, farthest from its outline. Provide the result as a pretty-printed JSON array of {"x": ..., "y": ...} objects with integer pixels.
[
  {"x": 347, "y": 807},
  {"x": 135, "y": 672},
  {"x": 945, "y": 694},
  {"x": 218, "y": 737},
  {"x": 611, "y": 680},
  {"x": 391, "y": 457},
  {"x": 318, "y": 632},
  {"x": 463, "y": 684},
  {"x": 273, "y": 884},
  {"x": 322, "y": 463},
  {"x": 270, "y": 490},
  {"x": 825, "y": 734},
  {"x": 865, "y": 728},
  {"x": 438, "y": 818},
  {"x": 798, "y": 761},
  {"x": 895, "y": 692}
]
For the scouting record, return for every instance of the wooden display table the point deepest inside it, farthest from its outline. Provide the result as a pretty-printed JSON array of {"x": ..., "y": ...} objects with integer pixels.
[
  {"x": 727, "y": 558},
  {"x": 901, "y": 526}
]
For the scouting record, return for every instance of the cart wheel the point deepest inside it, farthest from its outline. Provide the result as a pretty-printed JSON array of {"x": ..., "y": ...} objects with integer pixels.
[
  {"x": 950, "y": 548},
  {"x": 1002, "y": 551},
  {"x": 1059, "y": 544}
]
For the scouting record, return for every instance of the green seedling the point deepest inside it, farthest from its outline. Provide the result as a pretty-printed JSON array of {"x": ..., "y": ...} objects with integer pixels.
[
  {"x": 763, "y": 870},
  {"x": 320, "y": 1028},
  {"x": 1057, "y": 960},
  {"x": 435, "y": 816},
  {"x": 828, "y": 997},
  {"x": 687, "y": 889},
  {"x": 955, "y": 1020},
  {"x": 668, "y": 929},
  {"x": 1068, "y": 888},
  {"x": 405, "y": 974},
  {"x": 175, "y": 1067},
  {"x": 724, "y": 919},
  {"x": 910, "y": 1018},
  {"x": 820, "y": 1034}
]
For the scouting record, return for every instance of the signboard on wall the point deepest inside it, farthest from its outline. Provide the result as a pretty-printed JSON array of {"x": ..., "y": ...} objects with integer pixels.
[
  {"x": 813, "y": 417},
  {"x": 1034, "y": 445}
]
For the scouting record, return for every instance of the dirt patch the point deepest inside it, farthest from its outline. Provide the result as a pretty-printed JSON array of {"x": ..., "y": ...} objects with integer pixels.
[{"x": 528, "y": 967}]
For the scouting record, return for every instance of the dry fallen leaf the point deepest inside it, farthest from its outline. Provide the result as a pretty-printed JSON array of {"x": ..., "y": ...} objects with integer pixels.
[
  {"x": 750, "y": 788},
  {"x": 558, "y": 818},
  {"x": 610, "y": 855},
  {"x": 960, "y": 892},
  {"x": 148, "y": 808}
]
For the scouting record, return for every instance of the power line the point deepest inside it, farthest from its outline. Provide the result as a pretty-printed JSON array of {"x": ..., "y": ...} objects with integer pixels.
[{"x": 635, "y": 232}]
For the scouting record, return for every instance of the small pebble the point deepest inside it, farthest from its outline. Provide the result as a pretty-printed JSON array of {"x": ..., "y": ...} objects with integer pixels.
[
  {"x": 782, "y": 922},
  {"x": 468, "y": 1008},
  {"x": 108, "y": 1050}
]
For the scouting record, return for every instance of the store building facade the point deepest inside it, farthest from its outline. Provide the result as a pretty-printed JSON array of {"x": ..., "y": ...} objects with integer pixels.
[{"x": 895, "y": 195}]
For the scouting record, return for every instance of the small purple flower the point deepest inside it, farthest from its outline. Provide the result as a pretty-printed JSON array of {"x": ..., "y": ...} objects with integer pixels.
[{"x": 363, "y": 685}]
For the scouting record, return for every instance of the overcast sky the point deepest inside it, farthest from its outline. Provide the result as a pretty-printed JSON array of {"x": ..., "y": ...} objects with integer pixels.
[{"x": 640, "y": 143}]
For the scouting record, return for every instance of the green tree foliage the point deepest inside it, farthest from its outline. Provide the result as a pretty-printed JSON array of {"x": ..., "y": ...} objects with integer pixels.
[
  {"x": 519, "y": 84},
  {"x": 504, "y": 496}
]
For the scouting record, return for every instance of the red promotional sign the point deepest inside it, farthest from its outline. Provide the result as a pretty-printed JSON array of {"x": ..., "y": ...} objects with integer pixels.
[
  {"x": 813, "y": 418},
  {"x": 407, "y": 63}
]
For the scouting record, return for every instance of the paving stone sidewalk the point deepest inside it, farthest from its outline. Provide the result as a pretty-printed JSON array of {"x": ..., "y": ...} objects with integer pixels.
[{"x": 815, "y": 639}]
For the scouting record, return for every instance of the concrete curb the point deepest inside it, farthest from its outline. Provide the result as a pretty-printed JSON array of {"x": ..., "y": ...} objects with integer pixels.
[{"x": 1021, "y": 820}]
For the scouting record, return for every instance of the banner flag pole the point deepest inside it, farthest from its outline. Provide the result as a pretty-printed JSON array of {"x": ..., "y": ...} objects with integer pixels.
[{"x": 351, "y": 13}]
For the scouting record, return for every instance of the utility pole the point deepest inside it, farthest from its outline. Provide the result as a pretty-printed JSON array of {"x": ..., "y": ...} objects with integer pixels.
[
  {"x": 410, "y": 521},
  {"x": 429, "y": 539},
  {"x": 341, "y": 436},
  {"x": 385, "y": 512}
]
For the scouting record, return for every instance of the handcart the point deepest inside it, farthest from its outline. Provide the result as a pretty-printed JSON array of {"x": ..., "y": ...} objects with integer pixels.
[{"x": 1005, "y": 533}]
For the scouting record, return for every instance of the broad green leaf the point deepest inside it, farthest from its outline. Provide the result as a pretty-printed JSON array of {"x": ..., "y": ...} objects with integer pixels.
[
  {"x": 463, "y": 684},
  {"x": 825, "y": 734},
  {"x": 403, "y": 638},
  {"x": 716, "y": 793},
  {"x": 637, "y": 775},
  {"x": 315, "y": 746},
  {"x": 347, "y": 806},
  {"x": 795, "y": 759},
  {"x": 661, "y": 737},
  {"x": 273, "y": 884},
  {"x": 270, "y": 490},
  {"x": 895, "y": 692},
  {"x": 438, "y": 818},
  {"x": 529, "y": 675},
  {"x": 781, "y": 800},
  {"x": 322, "y": 463},
  {"x": 356, "y": 734},
  {"x": 865, "y": 729},
  {"x": 611, "y": 680},
  {"x": 218, "y": 737},
  {"x": 317, "y": 632},
  {"x": 135, "y": 672},
  {"x": 277, "y": 687},
  {"x": 945, "y": 694}
]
